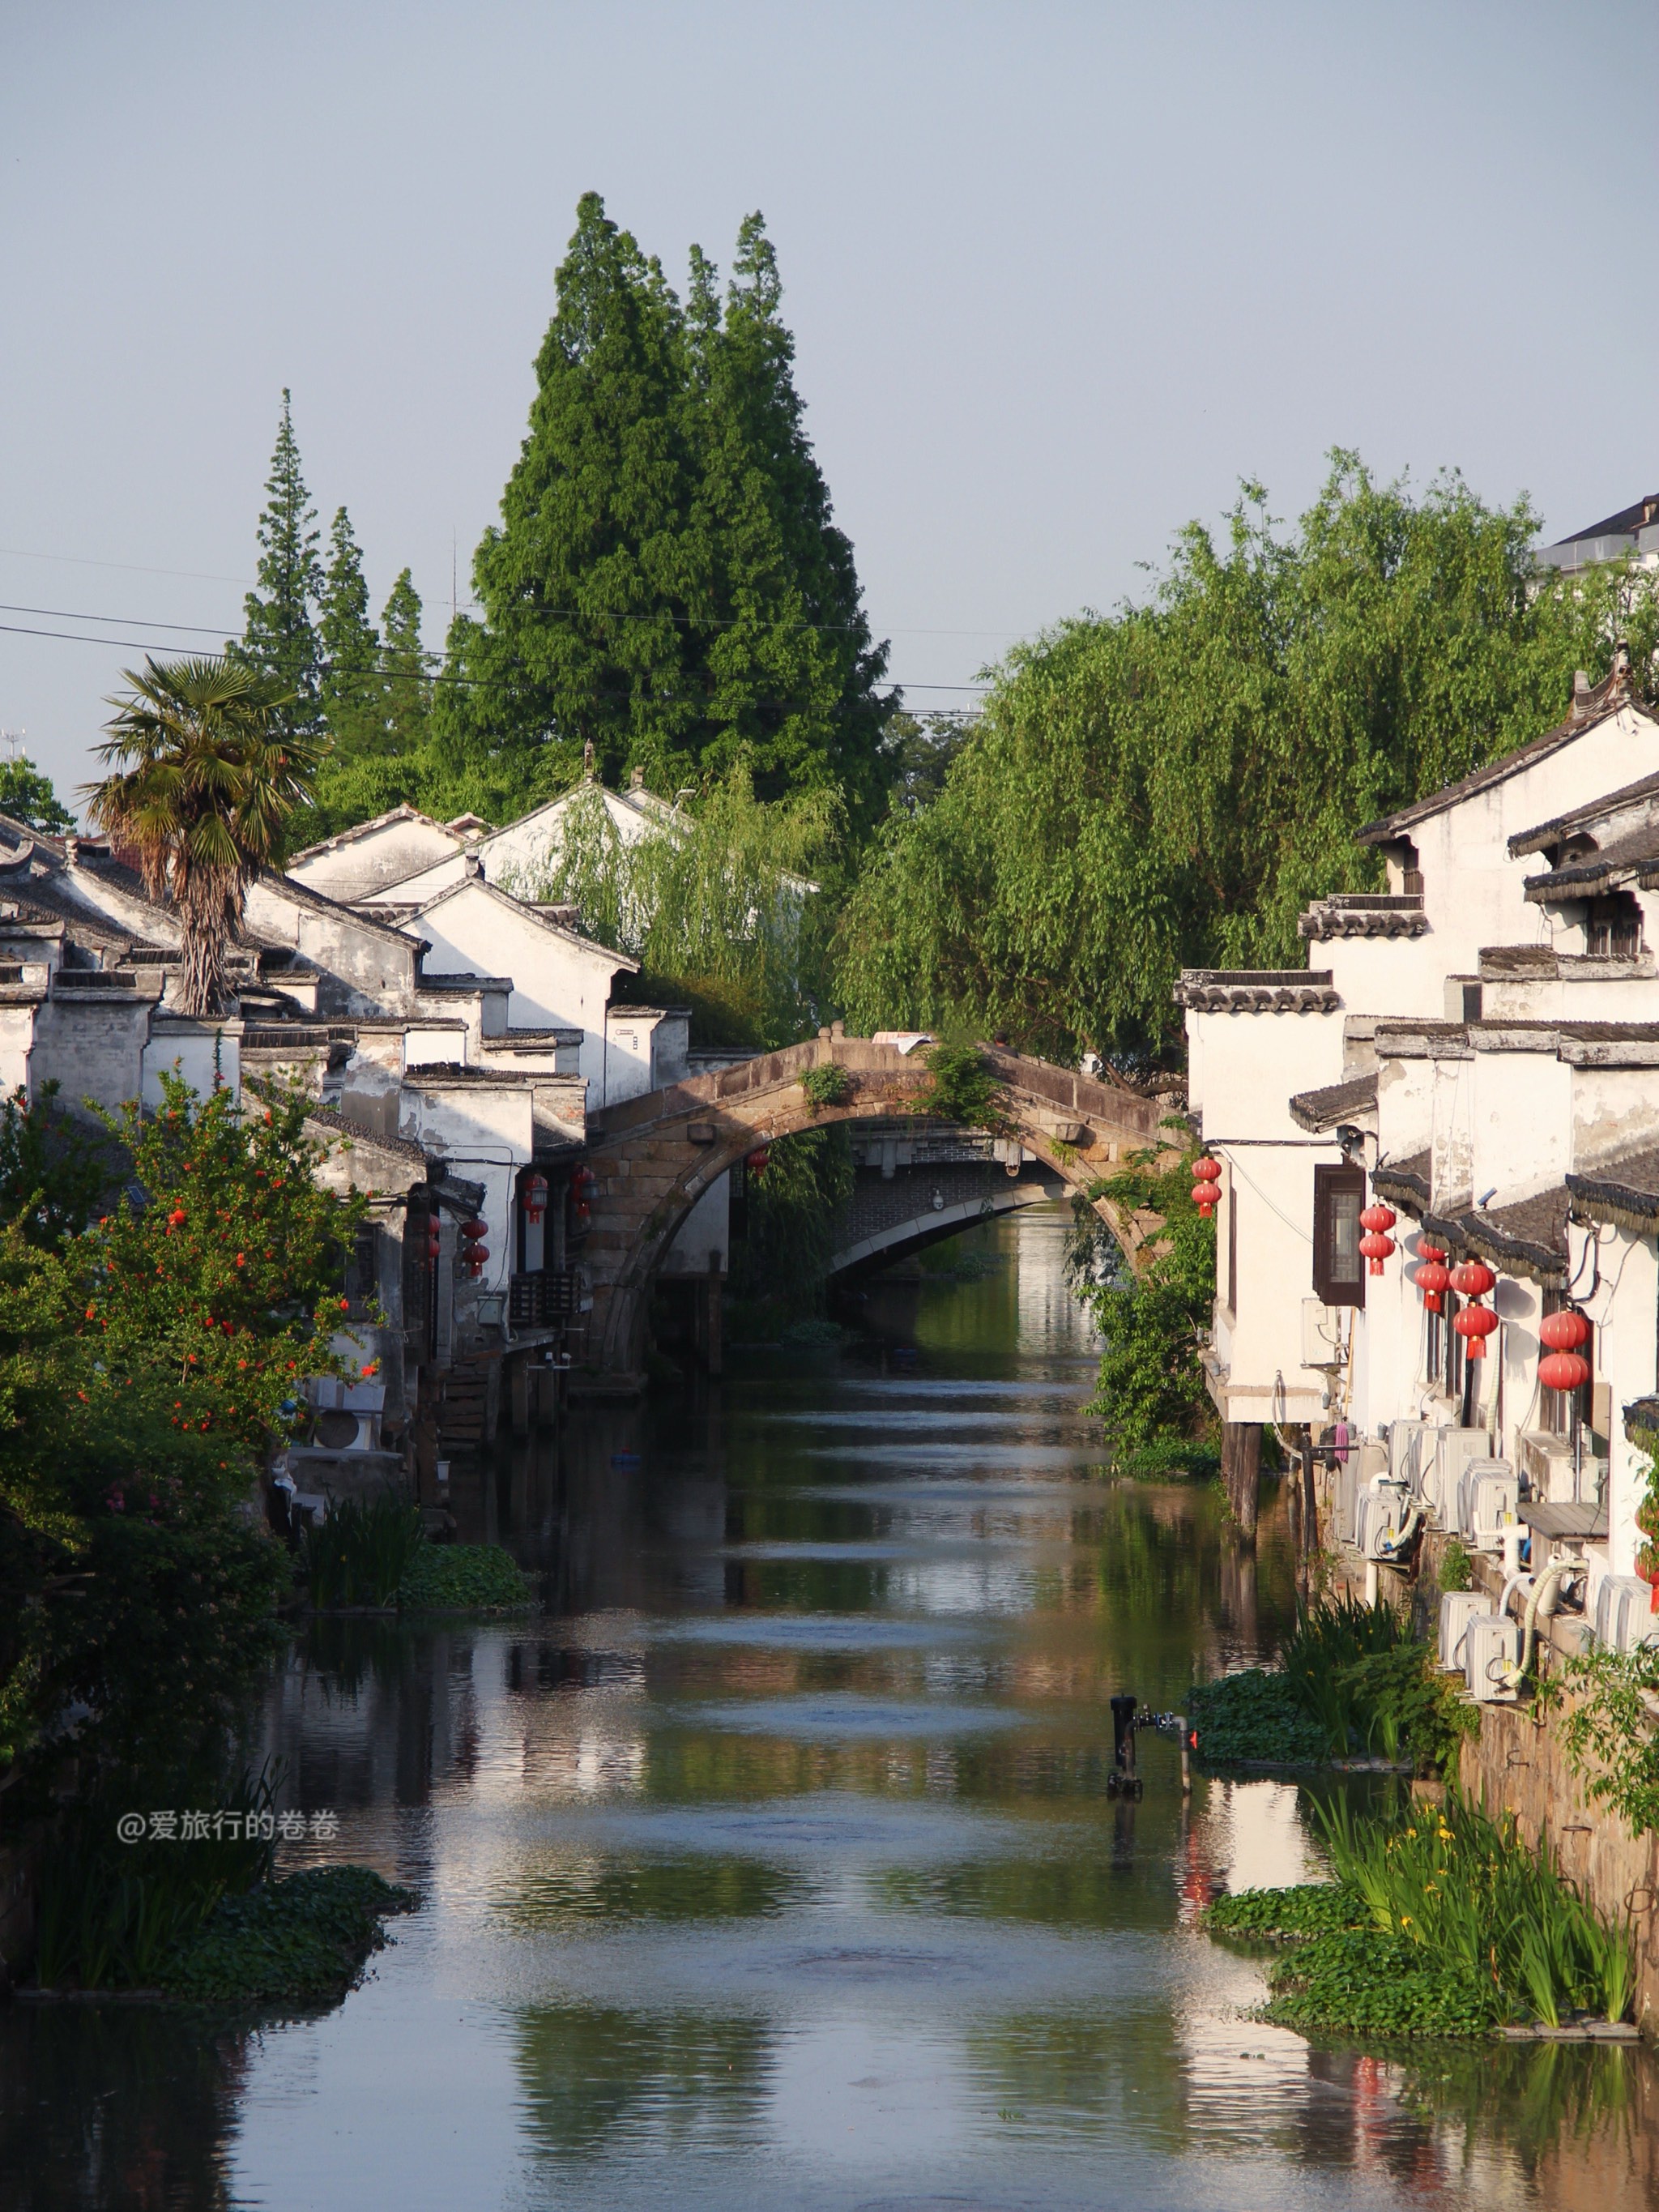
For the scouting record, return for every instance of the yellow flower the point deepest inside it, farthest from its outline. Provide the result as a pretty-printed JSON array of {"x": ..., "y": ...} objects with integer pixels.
[
  {"x": 1405, "y": 1920},
  {"x": 1410, "y": 1832}
]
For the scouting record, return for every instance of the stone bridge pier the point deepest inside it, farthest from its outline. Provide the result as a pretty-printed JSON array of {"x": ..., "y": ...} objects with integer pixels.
[{"x": 654, "y": 1156}]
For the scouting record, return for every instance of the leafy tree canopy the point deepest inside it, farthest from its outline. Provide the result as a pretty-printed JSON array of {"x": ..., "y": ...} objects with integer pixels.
[
  {"x": 28, "y": 797},
  {"x": 666, "y": 582},
  {"x": 1169, "y": 785},
  {"x": 279, "y": 637}
]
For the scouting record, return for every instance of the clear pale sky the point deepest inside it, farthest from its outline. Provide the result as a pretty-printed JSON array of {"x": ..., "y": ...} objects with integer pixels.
[{"x": 1061, "y": 275}]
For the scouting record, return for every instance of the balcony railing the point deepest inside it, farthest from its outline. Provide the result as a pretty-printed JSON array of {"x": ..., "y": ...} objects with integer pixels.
[{"x": 541, "y": 1301}]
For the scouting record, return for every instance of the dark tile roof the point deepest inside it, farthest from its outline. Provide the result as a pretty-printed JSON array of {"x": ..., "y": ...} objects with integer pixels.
[
  {"x": 1406, "y": 1181},
  {"x": 1365, "y": 914},
  {"x": 1336, "y": 1101},
  {"x": 1624, "y": 1189},
  {"x": 1257, "y": 991},
  {"x": 1588, "y": 709},
  {"x": 1593, "y": 809},
  {"x": 1526, "y": 1238},
  {"x": 338, "y": 1125}
]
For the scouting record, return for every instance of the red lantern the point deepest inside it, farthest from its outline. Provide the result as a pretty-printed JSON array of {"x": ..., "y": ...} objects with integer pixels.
[
  {"x": 1564, "y": 1331},
  {"x": 1475, "y": 1324},
  {"x": 434, "y": 1239},
  {"x": 1472, "y": 1279},
  {"x": 1564, "y": 1371},
  {"x": 1379, "y": 1219},
  {"x": 1434, "y": 1280},
  {"x": 475, "y": 1256},
  {"x": 535, "y": 1197},
  {"x": 1427, "y": 1251},
  {"x": 755, "y": 1161},
  {"x": 1376, "y": 1248},
  {"x": 1207, "y": 1184}
]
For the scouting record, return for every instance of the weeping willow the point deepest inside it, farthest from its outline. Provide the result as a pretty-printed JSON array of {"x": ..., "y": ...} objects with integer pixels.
[{"x": 716, "y": 905}]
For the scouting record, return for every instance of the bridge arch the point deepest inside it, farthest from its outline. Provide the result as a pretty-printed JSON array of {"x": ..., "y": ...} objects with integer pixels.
[{"x": 654, "y": 1156}]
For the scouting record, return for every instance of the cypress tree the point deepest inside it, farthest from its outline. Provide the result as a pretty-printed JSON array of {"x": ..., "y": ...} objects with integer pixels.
[
  {"x": 350, "y": 688},
  {"x": 791, "y": 669},
  {"x": 278, "y": 637},
  {"x": 406, "y": 686},
  {"x": 584, "y": 583}
]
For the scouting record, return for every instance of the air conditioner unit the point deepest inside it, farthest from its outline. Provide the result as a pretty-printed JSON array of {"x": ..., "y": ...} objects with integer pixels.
[
  {"x": 1457, "y": 1609},
  {"x": 1624, "y": 1620},
  {"x": 1405, "y": 1449},
  {"x": 1491, "y": 1649},
  {"x": 1488, "y": 1495},
  {"x": 1454, "y": 1448},
  {"x": 1380, "y": 1515}
]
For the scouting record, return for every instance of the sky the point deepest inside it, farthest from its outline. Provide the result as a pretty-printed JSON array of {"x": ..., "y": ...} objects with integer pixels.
[{"x": 1061, "y": 276}]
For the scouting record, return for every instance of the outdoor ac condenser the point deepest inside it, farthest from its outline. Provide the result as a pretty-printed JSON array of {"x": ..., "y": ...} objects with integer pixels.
[
  {"x": 1491, "y": 1646},
  {"x": 1457, "y": 1609},
  {"x": 1383, "y": 1506},
  {"x": 1625, "y": 1619},
  {"x": 1454, "y": 1448},
  {"x": 1488, "y": 1495},
  {"x": 1405, "y": 1449}
]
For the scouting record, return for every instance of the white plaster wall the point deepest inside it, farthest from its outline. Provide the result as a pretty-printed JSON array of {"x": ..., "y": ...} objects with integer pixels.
[
  {"x": 521, "y": 856},
  {"x": 1520, "y": 1122},
  {"x": 1385, "y": 975},
  {"x": 483, "y": 1134},
  {"x": 16, "y": 1041},
  {"x": 425, "y": 1046},
  {"x": 90, "y": 1050},
  {"x": 202, "y": 1056},
  {"x": 425, "y": 883},
  {"x": 1612, "y": 1110},
  {"x": 1405, "y": 1107},
  {"x": 1625, "y": 1310},
  {"x": 1249, "y": 1065},
  {"x": 629, "y": 1035},
  {"x": 387, "y": 854}
]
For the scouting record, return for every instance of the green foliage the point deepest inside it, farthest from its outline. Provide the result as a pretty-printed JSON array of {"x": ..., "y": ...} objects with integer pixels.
[
  {"x": 1169, "y": 785},
  {"x": 828, "y": 1085},
  {"x": 962, "y": 1086},
  {"x": 146, "y": 1360},
  {"x": 1255, "y": 1717},
  {"x": 1456, "y": 1568},
  {"x": 464, "y": 1579},
  {"x": 1349, "y": 1680},
  {"x": 407, "y": 684},
  {"x": 1155, "y": 1320},
  {"x": 28, "y": 797},
  {"x": 204, "y": 781},
  {"x": 361, "y": 1553},
  {"x": 1286, "y": 1916},
  {"x": 350, "y": 683},
  {"x": 1361, "y": 1981},
  {"x": 791, "y": 1215},
  {"x": 279, "y": 638},
  {"x": 52, "y": 1169},
  {"x": 665, "y": 583},
  {"x": 1469, "y": 1897},
  {"x": 303, "y": 1939},
  {"x": 714, "y": 904},
  {"x": 116, "y": 1915},
  {"x": 1610, "y": 1731},
  {"x": 1169, "y": 1457}
]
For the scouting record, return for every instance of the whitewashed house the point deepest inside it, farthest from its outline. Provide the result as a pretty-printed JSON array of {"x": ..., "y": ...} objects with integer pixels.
[{"x": 1477, "y": 1049}]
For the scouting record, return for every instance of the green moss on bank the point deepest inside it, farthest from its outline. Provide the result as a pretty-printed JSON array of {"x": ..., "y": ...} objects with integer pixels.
[{"x": 306, "y": 1938}]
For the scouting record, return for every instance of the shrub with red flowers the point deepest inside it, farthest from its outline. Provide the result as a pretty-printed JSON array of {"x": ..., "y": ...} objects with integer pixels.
[{"x": 149, "y": 1356}]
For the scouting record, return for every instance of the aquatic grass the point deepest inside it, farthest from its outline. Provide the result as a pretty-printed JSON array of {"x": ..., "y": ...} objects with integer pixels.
[
  {"x": 464, "y": 1579},
  {"x": 361, "y": 1553},
  {"x": 304, "y": 1939}
]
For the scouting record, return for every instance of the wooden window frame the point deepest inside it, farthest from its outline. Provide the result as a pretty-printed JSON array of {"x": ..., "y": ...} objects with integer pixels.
[{"x": 1331, "y": 1184}]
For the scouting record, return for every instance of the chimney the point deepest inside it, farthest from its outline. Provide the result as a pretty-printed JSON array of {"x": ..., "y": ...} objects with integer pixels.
[{"x": 636, "y": 779}]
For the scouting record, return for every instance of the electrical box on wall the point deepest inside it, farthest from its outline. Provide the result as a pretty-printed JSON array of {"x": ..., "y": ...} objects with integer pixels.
[{"x": 1325, "y": 1334}]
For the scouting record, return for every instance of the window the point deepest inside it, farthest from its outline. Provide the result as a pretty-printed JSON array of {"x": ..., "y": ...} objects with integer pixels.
[
  {"x": 1613, "y": 927},
  {"x": 1339, "y": 1275},
  {"x": 362, "y": 1281}
]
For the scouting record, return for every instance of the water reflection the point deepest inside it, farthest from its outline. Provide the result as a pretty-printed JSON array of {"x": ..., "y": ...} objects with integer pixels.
[{"x": 776, "y": 1865}]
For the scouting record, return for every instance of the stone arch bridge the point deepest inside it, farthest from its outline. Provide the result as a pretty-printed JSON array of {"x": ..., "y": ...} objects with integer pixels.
[{"x": 654, "y": 1156}]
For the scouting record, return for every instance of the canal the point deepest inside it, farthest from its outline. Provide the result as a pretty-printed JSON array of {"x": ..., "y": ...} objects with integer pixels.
[{"x": 775, "y": 1865}]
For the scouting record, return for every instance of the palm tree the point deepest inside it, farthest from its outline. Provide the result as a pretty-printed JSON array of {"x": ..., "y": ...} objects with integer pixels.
[{"x": 204, "y": 777}]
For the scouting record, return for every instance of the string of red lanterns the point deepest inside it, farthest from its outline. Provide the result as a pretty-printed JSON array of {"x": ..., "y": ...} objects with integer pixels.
[
  {"x": 1376, "y": 1245},
  {"x": 1207, "y": 1184},
  {"x": 1474, "y": 1323},
  {"x": 1433, "y": 1275},
  {"x": 1564, "y": 1367}
]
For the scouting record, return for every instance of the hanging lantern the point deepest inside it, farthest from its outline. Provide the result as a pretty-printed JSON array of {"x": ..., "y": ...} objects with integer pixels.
[
  {"x": 474, "y": 1258},
  {"x": 1207, "y": 1184},
  {"x": 475, "y": 1231},
  {"x": 1563, "y": 1332},
  {"x": 1564, "y": 1371},
  {"x": 755, "y": 1161},
  {"x": 1434, "y": 1280},
  {"x": 434, "y": 1239},
  {"x": 1475, "y": 1324},
  {"x": 1472, "y": 1279},
  {"x": 534, "y": 1193},
  {"x": 1377, "y": 1244}
]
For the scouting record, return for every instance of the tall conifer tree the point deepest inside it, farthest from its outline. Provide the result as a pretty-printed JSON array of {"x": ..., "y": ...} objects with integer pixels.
[
  {"x": 406, "y": 685},
  {"x": 278, "y": 636},
  {"x": 350, "y": 688},
  {"x": 583, "y": 586}
]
